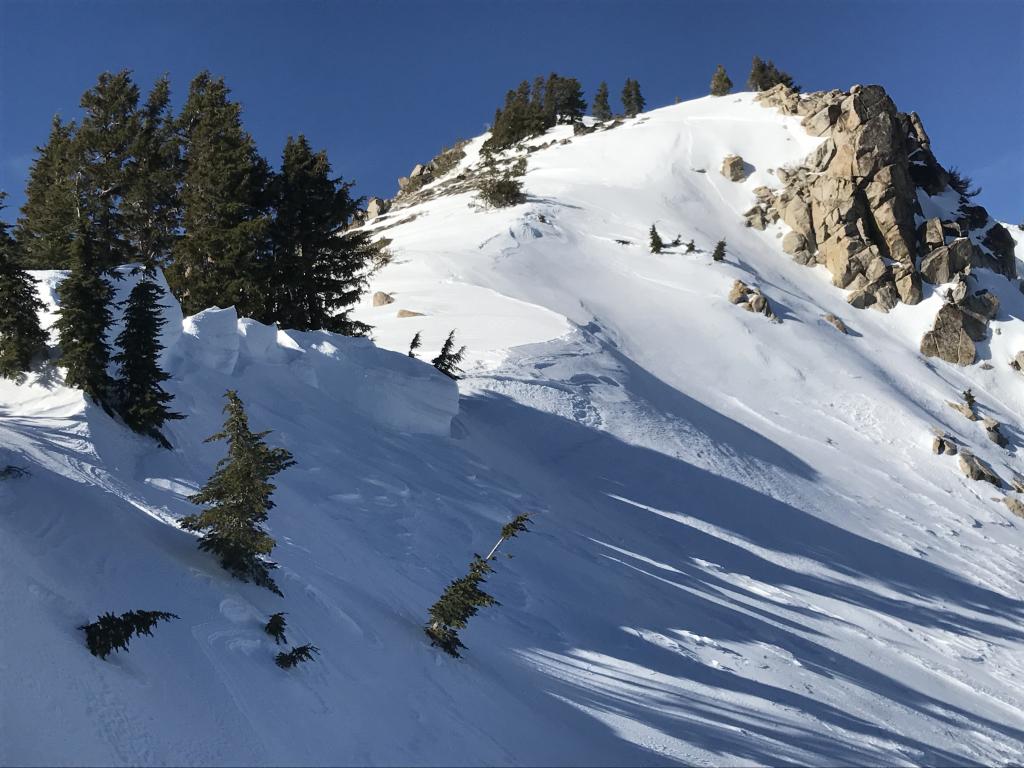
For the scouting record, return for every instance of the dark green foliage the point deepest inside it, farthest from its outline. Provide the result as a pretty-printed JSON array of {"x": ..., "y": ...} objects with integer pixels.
[
  {"x": 655, "y": 239},
  {"x": 690, "y": 247},
  {"x": 531, "y": 110},
  {"x": 110, "y": 633},
  {"x": 676, "y": 241},
  {"x": 295, "y": 655},
  {"x": 719, "y": 253},
  {"x": 315, "y": 271},
  {"x": 414, "y": 344},
  {"x": 563, "y": 100},
  {"x": 600, "y": 108},
  {"x": 502, "y": 188},
  {"x": 49, "y": 217},
  {"x": 275, "y": 627},
  {"x": 720, "y": 82},
  {"x": 765, "y": 75},
  {"x": 448, "y": 359},
  {"x": 962, "y": 183},
  {"x": 10, "y": 471},
  {"x": 517, "y": 525},
  {"x": 141, "y": 401},
  {"x": 217, "y": 261},
  {"x": 632, "y": 101},
  {"x": 968, "y": 398},
  {"x": 83, "y": 319},
  {"x": 238, "y": 495},
  {"x": 21, "y": 337}
]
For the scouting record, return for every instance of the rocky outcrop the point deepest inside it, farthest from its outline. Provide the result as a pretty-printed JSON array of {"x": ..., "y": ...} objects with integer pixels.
[
  {"x": 976, "y": 469},
  {"x": 943, "y": 444},
  {"x": 733, "y": 168},
  {"x": 751, "y": 299},
  {"x": 376, "y": 206},
  {"x": 1014, "y": 504},
  {"x": 836, "y": 323},
  {"x": 993, "y": 433}
]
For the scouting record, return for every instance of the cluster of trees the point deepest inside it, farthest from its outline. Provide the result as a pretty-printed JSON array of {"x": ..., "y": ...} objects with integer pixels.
[{"x": 763, "y": 76}]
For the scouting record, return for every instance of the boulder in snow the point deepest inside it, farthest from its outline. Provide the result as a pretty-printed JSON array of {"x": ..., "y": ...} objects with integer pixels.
[{"x": 733, "y": 168}]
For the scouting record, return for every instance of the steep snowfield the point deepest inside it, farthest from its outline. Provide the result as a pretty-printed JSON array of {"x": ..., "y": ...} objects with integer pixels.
[{"x": 744, "y": 551}]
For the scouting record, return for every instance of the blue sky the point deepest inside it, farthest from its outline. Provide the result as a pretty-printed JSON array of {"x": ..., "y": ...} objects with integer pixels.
[{"x": 383, "y": 85}]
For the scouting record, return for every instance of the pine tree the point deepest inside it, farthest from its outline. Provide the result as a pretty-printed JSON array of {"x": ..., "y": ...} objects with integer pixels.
[
  {"x": 21, "y": 337},
  {"x": 968, "y": 398},
  {"x": 297, "y": 654},
  {"x": 720, "y": 82},
  {"x": 463, "y": 597},
  {"x": 315, "y": 273},
  {"x": 690, "y": 247},
  {"x": 275, "y": 627},
  {"x": 83, "y": 320},
  {"x": 502, "y": 188},
  {"x": 141, "y": 401},
  {"x": 447, "y": 361},
  {"x": 719, "y": 253},
  {"x": 563, "y": 100},
  {"x": 637, "y": 98},
  {"x": 656, "y": 242},
  {"x": 238, "y": 499},
  {"x": 600, "y": 109},
  {"x": 630, "y": 90},
  {"x": 415, "y": 344},
  {"x": 151, "y": 205},
  {"x": 111, "y": 633},
  {"x": 765, "y": 75},
  {"x": 219, "y": 259},
  {"x": 49, "y": 218}
]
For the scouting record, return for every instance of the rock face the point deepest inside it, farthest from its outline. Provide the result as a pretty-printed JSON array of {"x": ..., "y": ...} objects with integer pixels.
[
  {"x": 380, "y": 299},
  {"x": 993, "y": 433},
  {"x": 733, "y": 168},
  {"x": 949, "y": 339},
  {"x": 976, "y": 469},
  {"x": 376, "y": 207},
  {"x": 943, "y": 445},
  {"x": 1014, "y": 504}
]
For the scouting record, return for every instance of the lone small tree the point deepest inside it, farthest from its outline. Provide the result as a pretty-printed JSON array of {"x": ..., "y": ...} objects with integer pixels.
[
  {"x": 656, "y": 242},
  {"x": 297, "y": 654},
  {"x": 21, "y": 337},
  {"x": 502, "y": 189},
  {"x": 110, "y": 633},
  {"x": 238, "y": 495},
  {"x": 720, "y": 82},
  {"x": 600, "y": 108},
  {"x": 415, "y": 344},
  {"x": 463, "y": 597},
  {"x": 141, "y": 401},
  {"x": 448, "y": 359},
  {"x": 968, "y": 398},
  {"x": 719, "y": 253},
  {"x": 275, "y": 627},
  {"x": 690, "y": 247}
]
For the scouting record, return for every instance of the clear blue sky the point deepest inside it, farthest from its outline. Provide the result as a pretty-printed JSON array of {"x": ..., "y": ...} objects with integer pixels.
[{"x": 383, "y": 85}]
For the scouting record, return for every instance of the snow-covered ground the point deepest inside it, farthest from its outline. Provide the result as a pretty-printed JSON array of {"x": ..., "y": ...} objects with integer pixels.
[{"x": 743, "y": 550}]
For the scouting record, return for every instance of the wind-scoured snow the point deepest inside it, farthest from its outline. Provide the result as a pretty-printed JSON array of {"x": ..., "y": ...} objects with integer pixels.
[{"x": 743, "y": 549}]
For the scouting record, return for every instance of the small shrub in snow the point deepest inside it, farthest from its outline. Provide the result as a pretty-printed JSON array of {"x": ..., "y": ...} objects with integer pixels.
[
  {"x": 690, "y": 247},
  {"x": 962, "y": 183},
  {"x": 655, "y": 240},
  {"x": 448, "y": 359},
  {"x": 719, "y": 253},
  {"x": 275, "y": 627},
  {"x": 110, "y": 633},
  {"x": 296, "y": 655},
  {"x": 501, "y": 189}
]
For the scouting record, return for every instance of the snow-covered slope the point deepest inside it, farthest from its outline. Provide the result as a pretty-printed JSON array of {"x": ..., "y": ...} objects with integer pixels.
[{"x": 744, "y": 551}]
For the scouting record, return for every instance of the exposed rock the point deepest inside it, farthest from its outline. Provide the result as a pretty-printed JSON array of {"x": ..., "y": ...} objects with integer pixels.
[
  {"x": 964, "y": 409},
  {"x": 838, "y": 324},
  {"x": 1018, "y": 361},
  {"x": 940, "y": 265},
  {"x": 409, "y": 313},
  {"x": 750, "y": 299},
  {"x": 885, "y": 293},
  {"x": 417, "y": 170},
  {"x": 755, "y": 218},
  {"x": 930, "y": 235},
  {"x": 943, "y": 444},
  {"x": 403, "y": 183},
  {"x": 733, "y": 168},
  {"x": 794, "y": 242},
  {"x": 380, "y": 299},
  {"x": 908, "y": 284},
  {"x": 1014, "y": 504},
  {"x": 1017, "y": 483},
  {"x": 948, "y": 339},
  {"x": 976, "y": 469},
  {"x": 738, "y": 293},
  {"x": 376, "y": 206},
  {"x": 983, "y": 305},
  {"x": 1001, "y": 243},
  {"x": 993, "y": 433}
]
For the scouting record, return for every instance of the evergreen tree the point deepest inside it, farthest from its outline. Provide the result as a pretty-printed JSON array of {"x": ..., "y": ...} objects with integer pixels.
[
  {"x": 141, "y": 401},
  {"x": 765, "y": 75},
  {"x": 720, "y": 82},
  {"x": 21, "y": 337},
  {"x": 49, "y": 217},
  {"x": 530, "y": 110},
  {"x": 104, "y": 142},
  {"x": 297, "y": 654},
  {"x": 315, "y": 273},
  {"x": 238, "y": 499},
  {"x": 151, "y": 206},
  {"x": 968, "y": 398},
  {"x": 719, "y": 253},
  {"x": 83, "y": 320},
  {"x": 563, "y": 100},
  {"x": 219, "y": 259},
  {"x": 637, "y": 98},
  {"x": 502, "y": 188},
  {"x": 448, "y": 359},
  {"x": 415, "y": 344},
  {"x": 111, "y": 633},
  {"x": 600, "y": 108},
  {"x": 632, "y": 102},
  {"x": 275, "y": 627},
  {"x": 656, "y": 242},
  {"x": 690, "y": 247}
]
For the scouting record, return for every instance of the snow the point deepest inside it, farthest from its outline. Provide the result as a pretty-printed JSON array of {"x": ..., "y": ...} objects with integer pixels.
[{"x": 743, "y": 550}]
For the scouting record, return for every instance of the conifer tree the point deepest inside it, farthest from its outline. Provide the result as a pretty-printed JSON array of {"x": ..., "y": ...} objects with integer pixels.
[
  {"x": 415, "y": 344},
  {"x": 315, "y": 273},
  {"x": 21, "y": 337},
  {"x": 275, "y": 627},
  {"x": 690, "y": 247},
  {"x": 632, "y": 101},
  {"x": 218, "y": 261},
  {"x": 238, "y": 499},
  {"x": 638, "y": 100},
  {"x": 600, "y": 108},
  {"x": 83, "y": 320},
  {"x": 49, "y": 217},
  {"x": 463, "y": 597},
  {"x": 447, "y": 361},
  {"x": 296, "y": 655},
  {"x": 720, "y": 82},
  {"x": 765, "y": 75},
  {"x": 719, "y": 253},
  {"x": 502, "y": 188},
  {"x": 111, "y": 633},
  {"x": 563, "y": 100},
  {"x": 656, "y": 242},
  {"x": 141, "y": 401}
]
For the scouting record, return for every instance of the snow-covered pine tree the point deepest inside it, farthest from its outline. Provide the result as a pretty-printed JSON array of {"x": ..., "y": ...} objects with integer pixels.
[
  {"x": 415, "y": 344},
  {"x": 448, "y": 359},
  {"x": 83, "y": 319},
  {"x": 720, "y": 82},
  {"x": 655, "y": 240},
  {"x": 110, "y": 633},
  {"x": 238, "y": 499},
  {"x": 297, "y": 654},
  {"x": 600, "y": 109},
  {"x": 719, "y": 253},
  {"x": 141, "y": 401},
  {"x": 275, "y": 627},
  {"x": 21, "y": 337}
]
